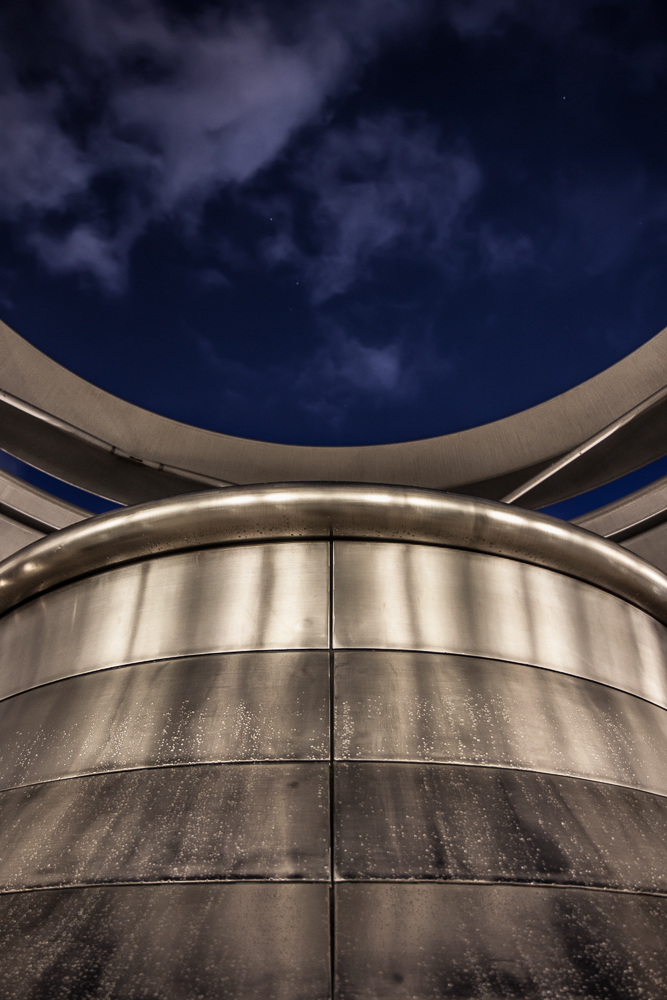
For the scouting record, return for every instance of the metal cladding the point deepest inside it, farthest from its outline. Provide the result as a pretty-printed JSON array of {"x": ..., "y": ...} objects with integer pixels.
[{"x": 303, "y": 741}]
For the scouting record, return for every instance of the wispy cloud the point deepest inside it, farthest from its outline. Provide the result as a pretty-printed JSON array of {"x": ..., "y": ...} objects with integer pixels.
[
  {"x": 627, "y": 33},
  {"x": 168, "y": 111},
  {"x": 503, "y": 253},
  {"x": 40, "y": 168},
  {"x": 386, "y": 184},
  {"x": 337, "y": 378},
  {"x": 345, "y": 371},
  {"x": 477, "y": 17},
  {"x": 185, "y": 107}
]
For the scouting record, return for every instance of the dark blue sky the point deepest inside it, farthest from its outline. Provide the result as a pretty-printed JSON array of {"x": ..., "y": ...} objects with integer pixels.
[{"x": 338, "y": 222}]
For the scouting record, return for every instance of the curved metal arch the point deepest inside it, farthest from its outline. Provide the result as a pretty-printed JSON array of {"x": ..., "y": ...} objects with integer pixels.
[
  {"x": 288, "y": 511},
  {"x": 27, "y": 513},
  {"x": 67, "y": 427},
  {"x": 612, "y": 448}
]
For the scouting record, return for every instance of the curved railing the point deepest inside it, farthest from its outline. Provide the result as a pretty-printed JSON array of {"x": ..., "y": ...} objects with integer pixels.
[{"x": 328, "y": 510}]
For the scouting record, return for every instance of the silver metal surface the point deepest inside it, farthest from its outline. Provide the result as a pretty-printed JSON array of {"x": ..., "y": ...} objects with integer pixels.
[
  {"x": 632, "y": 515},
  {"x": 486, "y": 942},
  {"x": 14, "y": 536},
  {"x": 485, "y": 461},
  {"x": 167, "y": 942},
  {"x": 651, "y": 545},
  {"x": 421, "y": 707},
  {"x": 312, "y": 510},
  {"x": 211, "y": 613},
  {"x": 438, "y": 821},
  {"x": 604, "y": 456},
  {"x": 33, "y": 507},
  {"x": 78, "y": 457},
  {"x": 638, "y": 522},
  {"x": 395, "y": 596},
  {"x": 27, "y": 514},
  {"x": 204, "y": 601},
  {"x": 237, "y": 706},
  {"x": 224, "y": 821}
]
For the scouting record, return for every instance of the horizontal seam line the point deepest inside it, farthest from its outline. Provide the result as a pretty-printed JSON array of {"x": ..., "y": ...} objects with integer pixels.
[
  {"x": 497, "y": 659},
  {"x": 504, "y": 884},
  {"x": 171, "y": 766},
  {"x": 325, "y": 882},
  {"x": 495, "y": 767},
  {"x": 165, "y": 659},
  {"x": 334, "y": 649},
  {"x": 410, "y": 762}
]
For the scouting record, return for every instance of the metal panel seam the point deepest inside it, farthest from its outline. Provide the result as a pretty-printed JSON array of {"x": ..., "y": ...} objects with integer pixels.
[
  {"x": 439, "y": 652},
  {"x": 169, "y": 659}
]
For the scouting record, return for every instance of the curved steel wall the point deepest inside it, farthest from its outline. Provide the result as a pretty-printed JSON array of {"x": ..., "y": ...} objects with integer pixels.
[{"x": 237, "y": 770}]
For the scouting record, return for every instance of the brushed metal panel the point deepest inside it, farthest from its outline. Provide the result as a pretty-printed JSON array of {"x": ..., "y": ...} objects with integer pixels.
[
  {"x": 406, "y": 596},
  {"x": 224, "y": 707},
  {"x": 271, "y": 596},
  {"x": 651, "y": 545},
  {"x": 433, "y": 707},
  {"x": 447, "y": 822},
  {"x": 223, "y": 821},
  {"x": 486, "y": 942},
  {"x": 23, "y": 502},
  {"x": 166, "y": 942},
  {"x": 14, "y": 536},
  {"x": 80, "y": 458},
  {"x": 595, "y": 461},
  {"x": 630, "y": 515}
]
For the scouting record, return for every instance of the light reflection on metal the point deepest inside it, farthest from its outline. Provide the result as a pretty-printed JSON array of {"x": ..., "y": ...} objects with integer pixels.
[
  {"x": 319, "y": 510},
  {"x": 69, "y": 428},
  {"x": 603, "y": 452},
  {"x": 309, "y": 740},
  {"x": 206, "y": 790},
  {"x": 194, "y": 710},
  {"x": 398, "y": 596},
  {"x": 608, "y": 426},
  {"x": 189, "y": 603}
]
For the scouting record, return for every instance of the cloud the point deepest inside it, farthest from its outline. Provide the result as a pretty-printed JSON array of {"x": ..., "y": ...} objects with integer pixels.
[
  {"x": 384, "y": 185},
  {"x": 346, "y": 364},
  {"x": 167, "y": 111},
  {"x": 40, "y": 168},
  {"x": 472, "y": 18},
  {"x": 627, "y": 34},
  {"x": 339, "y": 377},
  {"x": 502, "y": 253},
  {"x": 184, "y": 107},
  {"x": 345, "y": 373},
  {"x": 229, "y": 108},
  {"x": 82, "y": 249}
]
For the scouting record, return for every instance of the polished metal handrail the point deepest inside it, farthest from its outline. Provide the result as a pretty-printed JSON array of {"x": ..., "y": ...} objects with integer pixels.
[{"x": 283, "y": 511}]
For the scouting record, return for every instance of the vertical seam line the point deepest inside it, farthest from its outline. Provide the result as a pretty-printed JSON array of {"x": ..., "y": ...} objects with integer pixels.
[{"x": 332, "y": 901}]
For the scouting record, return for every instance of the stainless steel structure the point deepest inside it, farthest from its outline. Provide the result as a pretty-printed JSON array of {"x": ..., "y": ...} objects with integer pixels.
[
  {"x": 303, "y": 740},
  {"x": 610, "y": 425},
  {"x": 330, "y": 738}
]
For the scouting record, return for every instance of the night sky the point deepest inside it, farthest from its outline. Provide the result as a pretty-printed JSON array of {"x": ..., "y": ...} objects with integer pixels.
[{"x": 334, "y": 221}]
